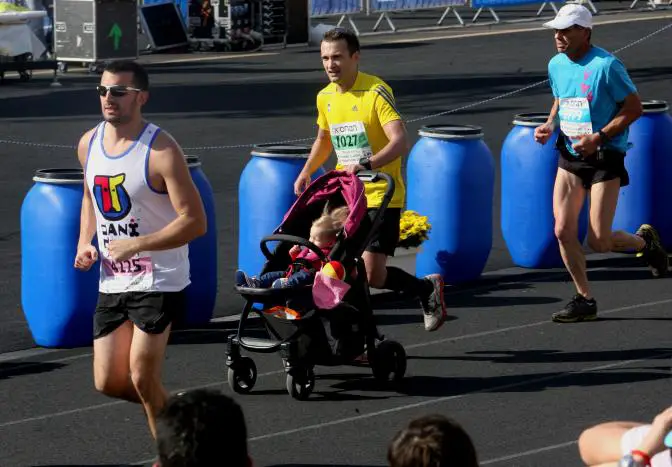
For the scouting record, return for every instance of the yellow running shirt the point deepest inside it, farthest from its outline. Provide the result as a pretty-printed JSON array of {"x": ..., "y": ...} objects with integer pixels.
[{"x": 355, "y": 121}]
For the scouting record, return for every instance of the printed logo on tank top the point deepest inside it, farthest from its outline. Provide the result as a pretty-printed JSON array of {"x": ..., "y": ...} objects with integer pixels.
[
  {"x": 111, "y": 196},
  {"x": 114, "y": 203}
]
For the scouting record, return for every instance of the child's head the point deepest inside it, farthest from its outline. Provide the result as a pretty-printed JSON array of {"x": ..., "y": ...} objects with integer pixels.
[
  {"x": 339, "y": 216},
  {"x": 325, "y": 229},
  {"x": 432, "y": 441}
]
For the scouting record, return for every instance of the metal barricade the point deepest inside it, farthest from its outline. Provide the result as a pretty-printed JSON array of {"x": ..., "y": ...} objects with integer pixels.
[
  {"x": 386, "y": 6},
  {"x": 342, "y": 8}
]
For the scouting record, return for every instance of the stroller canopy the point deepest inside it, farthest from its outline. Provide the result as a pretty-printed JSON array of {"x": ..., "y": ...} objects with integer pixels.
[{"x": 331, "y": 186}]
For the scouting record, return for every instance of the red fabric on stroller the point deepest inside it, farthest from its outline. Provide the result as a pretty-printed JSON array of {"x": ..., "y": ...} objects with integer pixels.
[{"x": 350, "y": 187}]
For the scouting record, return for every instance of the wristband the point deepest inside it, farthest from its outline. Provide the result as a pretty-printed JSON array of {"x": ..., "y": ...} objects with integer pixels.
[
  {"x": 643, "y": 455},
  {"x": 365, "y": 162}
]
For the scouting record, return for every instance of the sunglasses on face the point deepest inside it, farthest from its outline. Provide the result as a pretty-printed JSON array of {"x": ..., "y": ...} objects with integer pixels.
[{"x": 115, "y": 90}]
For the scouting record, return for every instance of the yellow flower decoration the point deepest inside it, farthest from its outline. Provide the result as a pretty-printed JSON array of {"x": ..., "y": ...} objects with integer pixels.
[{"x": 413, "y": 229}]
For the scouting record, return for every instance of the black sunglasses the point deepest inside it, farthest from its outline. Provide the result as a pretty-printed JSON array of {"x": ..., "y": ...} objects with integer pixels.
[{"x": 115, "y": 90}]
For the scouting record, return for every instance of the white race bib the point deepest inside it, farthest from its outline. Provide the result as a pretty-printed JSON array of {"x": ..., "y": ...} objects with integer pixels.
[
  {"x": 136, "y": 272},
  {"x": 575, "y": 120},
  {"x": 350, "y": 142}
]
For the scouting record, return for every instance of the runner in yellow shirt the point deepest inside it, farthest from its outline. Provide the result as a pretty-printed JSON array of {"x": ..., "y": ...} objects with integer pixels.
[{"x": 358, "y": 119}]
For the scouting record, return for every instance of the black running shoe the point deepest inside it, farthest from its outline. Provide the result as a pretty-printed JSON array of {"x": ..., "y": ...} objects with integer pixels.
[
  {"x": 578, "y": 309},
  {"x": 653, "y": 253}
]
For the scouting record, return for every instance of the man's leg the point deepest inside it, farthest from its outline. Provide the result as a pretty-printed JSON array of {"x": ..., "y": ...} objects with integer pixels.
[
  {"x": 152, "y": 314},
  {"x": 111, "y": 349},
  {"x": 569, "y": 195},
  {"x": 147, "y": 356},
  {"x": 603, "y": 202},
  {"x": 380, "y": 276},
  {"x": 646, "y": 241}
]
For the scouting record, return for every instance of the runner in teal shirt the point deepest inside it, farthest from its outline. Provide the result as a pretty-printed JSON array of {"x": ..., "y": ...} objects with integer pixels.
[
  {"x": 591, "y": 91},
  {"x": 595, "y": 102}
]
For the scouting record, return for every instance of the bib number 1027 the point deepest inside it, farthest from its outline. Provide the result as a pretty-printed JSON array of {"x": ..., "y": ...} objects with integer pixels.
[{"x": 346, "y": 141}]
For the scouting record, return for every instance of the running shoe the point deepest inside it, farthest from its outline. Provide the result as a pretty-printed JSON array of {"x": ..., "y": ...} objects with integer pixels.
[
  {"x": 433, "y": 306},
  {"x": 653, "y": 253},
  {"x": 578, "y": 309}
]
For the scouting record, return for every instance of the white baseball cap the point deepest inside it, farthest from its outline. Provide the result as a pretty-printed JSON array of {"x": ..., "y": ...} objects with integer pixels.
[{"x": 570, "y": 15}]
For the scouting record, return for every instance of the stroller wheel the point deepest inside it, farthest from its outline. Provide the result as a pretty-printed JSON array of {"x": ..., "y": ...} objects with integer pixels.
[
  {"x": 300, "y": 383},
  {"x": 390, "y": 359},
  {"x": 242, "y": 375}
]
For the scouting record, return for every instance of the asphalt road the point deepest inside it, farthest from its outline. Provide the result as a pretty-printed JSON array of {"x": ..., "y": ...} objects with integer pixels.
[{"x": 223, "y": 107}]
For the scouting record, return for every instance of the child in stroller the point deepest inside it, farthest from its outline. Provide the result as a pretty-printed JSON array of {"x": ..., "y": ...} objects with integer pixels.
[
  {"x": 304, "y": 334},
  {"x": 305, "y": 263}
]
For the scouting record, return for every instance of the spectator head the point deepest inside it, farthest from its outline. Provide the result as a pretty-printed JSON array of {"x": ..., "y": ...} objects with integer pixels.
[
  {"x": 202, "y": 428},
  {"x": 432, "y": 441}
]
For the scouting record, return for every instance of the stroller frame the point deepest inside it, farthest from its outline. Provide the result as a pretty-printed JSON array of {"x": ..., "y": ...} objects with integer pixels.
[{"x": 386, "y": 357}]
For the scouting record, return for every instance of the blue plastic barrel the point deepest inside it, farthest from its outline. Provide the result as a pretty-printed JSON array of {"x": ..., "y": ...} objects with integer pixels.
[
  {"x": 265, "y": 194},
  {"x": 528, "y": 176},
  {"x": 202, "y": 292},
  {"x": 58, "y": 300},
  {"x": 648, "y": 197},
  {"x": 450, "y": 179}
]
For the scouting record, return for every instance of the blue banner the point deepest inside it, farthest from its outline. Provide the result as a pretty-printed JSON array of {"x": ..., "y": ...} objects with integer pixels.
[
  {"x": 393, "y": 5},
  {"x": 335, "y": 7},
  {"x": 505, "y": 3}
]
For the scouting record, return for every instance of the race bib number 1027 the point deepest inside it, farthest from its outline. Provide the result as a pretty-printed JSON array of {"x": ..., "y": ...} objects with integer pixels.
[{"x": 350, "y": 142}]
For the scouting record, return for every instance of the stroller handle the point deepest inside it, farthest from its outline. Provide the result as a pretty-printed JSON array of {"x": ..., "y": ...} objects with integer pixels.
[
  {"x": 290, "y": 239},
  {"x": 370, "y": 176}
]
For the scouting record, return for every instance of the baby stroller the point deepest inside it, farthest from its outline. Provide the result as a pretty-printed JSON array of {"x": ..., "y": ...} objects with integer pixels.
[{"x": 303, "y": 334}]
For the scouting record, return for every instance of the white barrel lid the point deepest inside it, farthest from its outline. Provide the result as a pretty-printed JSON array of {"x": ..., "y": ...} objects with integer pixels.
[
  {"x": 281, "y": 150},
  {"x": 450, "y": 131}
]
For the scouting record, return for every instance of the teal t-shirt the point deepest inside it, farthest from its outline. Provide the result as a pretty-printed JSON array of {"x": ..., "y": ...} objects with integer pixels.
[{"x": 591, "y": 92}]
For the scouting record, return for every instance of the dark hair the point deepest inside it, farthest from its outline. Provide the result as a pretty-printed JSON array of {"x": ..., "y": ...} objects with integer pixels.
[
  {"x": 432, "y": 441},
  {"x": 201, "y": 428},
  {"x": 140, "y": 76},
  {"x": 342, "y": 34}
]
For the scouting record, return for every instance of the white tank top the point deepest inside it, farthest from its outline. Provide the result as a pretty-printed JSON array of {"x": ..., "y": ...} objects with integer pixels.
[{"x": 127, "y": 206}]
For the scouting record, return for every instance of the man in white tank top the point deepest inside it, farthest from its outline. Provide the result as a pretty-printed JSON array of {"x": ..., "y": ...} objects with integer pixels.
[{"x": 142, "y": 204}]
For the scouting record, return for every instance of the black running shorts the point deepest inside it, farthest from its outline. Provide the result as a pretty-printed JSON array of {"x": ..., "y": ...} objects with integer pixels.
[
  {"x": 591, "y": 170},
  {"x": 151, "y": 312},
  {"x": 385, "y": 239}
]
